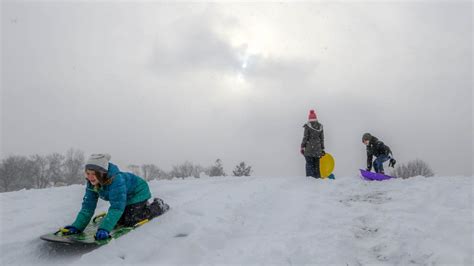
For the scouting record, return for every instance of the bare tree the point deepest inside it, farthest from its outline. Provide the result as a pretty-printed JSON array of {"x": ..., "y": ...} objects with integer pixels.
[
  {"x": 161, "y": 174},
  {"x": 151, "y": 171},
  {"x": 146, "y": 170},
  {"x": 5, "y": 178},
  {"x": 27, "y": 179},
  {"x": 73, "y": 167},
  {"x": 158, "y": 173},
  {"x": 40, "y": 171},
  {"x": 216, "y": 170},
  {"x": 55, "y": 168},
  {"x": 16, "y": 173},
  {"x": 413, "y": 168},
  {"x": 9, "y": 172},
  {"x": 187, "y": 169},
  {"x": 242, "y": 170}
]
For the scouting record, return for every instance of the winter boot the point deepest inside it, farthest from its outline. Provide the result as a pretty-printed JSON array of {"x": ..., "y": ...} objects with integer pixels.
[{"x": 158, "y": 207}]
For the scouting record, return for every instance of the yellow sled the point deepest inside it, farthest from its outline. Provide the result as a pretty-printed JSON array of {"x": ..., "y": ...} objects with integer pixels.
[{"x": 326, "y": 165}]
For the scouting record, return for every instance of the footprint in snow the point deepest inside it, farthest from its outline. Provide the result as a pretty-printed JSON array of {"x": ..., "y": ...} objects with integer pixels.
[{"x": 185, "y": 230}]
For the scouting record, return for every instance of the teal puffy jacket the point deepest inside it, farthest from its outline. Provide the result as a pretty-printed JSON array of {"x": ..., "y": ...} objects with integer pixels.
[{"x": 125, "y": 189}]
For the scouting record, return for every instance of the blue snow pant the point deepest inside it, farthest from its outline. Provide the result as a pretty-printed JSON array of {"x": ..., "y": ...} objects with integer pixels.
[
  {"x": 312, "y": 167},
  {"x": 378, "y": 163}
]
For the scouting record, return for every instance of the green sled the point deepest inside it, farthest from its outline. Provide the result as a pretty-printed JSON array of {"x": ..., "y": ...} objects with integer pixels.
[{"x": 87, "y": 237}]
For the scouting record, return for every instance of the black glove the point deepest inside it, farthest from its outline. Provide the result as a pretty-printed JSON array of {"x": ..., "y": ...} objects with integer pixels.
[
  {"x": 392, "y": 163},
  {"x": 322, "y": 153}
]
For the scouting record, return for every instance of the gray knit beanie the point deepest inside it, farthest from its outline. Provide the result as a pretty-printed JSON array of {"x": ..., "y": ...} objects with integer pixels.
[{"x": 98, "y": 162}]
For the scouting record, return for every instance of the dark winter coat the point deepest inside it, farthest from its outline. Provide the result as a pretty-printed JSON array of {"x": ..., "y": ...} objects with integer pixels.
[
  {"x": 125, "y": 189},
  {"x": 376, "y": 148},
  {"x": 313, "y": 139}
]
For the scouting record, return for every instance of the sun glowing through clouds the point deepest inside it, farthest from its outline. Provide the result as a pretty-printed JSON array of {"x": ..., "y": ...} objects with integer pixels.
[
  {"x": 253, "y": 38},
  {"x": 243, "y": 68}
]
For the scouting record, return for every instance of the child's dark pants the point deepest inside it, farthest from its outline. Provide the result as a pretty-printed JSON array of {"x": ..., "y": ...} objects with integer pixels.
[
  {"x": 312, "y": 167},
  {"x": 140, "y": 211}
]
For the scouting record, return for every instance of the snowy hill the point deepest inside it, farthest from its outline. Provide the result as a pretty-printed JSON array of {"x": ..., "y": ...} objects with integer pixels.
[{"x": 280, "y": 220}]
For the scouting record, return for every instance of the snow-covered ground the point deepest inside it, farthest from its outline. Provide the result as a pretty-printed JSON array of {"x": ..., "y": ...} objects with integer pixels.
[{"x": 255, "y": 220}]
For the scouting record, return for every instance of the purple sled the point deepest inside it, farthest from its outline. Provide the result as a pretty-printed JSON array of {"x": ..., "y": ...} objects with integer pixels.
[{"x": 367, "y": 175}]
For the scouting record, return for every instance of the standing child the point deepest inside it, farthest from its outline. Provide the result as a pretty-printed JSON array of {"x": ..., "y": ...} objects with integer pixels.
[
  {"x": 127, "y": 193},
  {"x": 377, "y": 148},
  {"x": 312, "y": 146}
]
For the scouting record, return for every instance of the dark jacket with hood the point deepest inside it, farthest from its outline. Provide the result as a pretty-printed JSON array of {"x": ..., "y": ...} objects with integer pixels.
[
  {"x": 376, "y": 148},
  {"x": 313, "y": 139}
]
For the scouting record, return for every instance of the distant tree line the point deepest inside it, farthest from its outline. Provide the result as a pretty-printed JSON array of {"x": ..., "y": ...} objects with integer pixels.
[
  {"x": 55, "y": 169},
  {"x": 188, "y": 169},
  {"x": 38, "y": 171}
]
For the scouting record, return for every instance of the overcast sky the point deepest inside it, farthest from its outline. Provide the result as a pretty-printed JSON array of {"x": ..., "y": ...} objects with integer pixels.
[{"x": 164, "y": 83}]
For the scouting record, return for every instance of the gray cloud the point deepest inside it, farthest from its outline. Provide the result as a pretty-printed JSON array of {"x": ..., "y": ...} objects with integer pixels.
[{"x": 191, "y": 44}]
